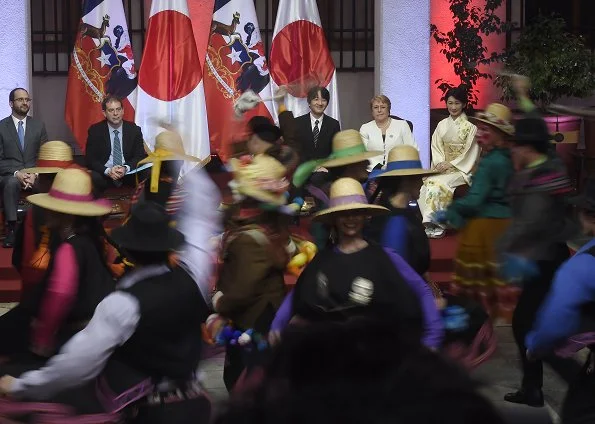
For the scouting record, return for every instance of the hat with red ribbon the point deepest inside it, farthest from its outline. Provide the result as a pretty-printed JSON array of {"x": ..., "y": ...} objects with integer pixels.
[{"x": 71, "y": 193}]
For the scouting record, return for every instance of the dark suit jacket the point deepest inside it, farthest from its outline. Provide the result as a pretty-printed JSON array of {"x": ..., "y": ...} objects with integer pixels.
[
  {"x": 99, "y": 146},
  {"x": 12, "y": 157},
  {"x": 329, "y": 128}
]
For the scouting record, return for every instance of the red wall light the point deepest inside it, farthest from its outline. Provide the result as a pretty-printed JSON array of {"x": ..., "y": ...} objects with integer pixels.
[{"x": 441, "y": 16}]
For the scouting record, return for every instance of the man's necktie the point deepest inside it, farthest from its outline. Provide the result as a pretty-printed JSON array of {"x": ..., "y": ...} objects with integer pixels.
[
  {"x": 21, "y": 134},
  {"x": 316, "y": 133},
  {"x": 117, "y": 150}
]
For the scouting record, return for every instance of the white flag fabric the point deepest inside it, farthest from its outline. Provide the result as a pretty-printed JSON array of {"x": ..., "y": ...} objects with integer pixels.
[
  {"x": 170, "y": 83},
  {"x": 300, "y": 57}
]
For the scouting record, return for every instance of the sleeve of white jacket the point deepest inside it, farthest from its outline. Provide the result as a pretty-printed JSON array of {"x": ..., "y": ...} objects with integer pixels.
[
  {"x": 199, "y": 221},
  {"x": 365, "y": 136}
]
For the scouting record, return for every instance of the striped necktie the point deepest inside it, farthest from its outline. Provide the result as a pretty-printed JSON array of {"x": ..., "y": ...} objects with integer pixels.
[
  {"x": 117, "y": 149},
  {"x": 316, "y": 133}
]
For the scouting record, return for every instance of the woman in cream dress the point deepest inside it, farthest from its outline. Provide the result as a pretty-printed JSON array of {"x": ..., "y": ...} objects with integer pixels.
[
  {"x": 383, "y": 132},
  {"x": 454, "y": 154}
]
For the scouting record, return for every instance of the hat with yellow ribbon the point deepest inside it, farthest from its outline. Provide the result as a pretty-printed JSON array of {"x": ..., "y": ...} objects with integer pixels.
[
  {"x": 168, "y": 147},
  {"x": 348, "y": 148}
]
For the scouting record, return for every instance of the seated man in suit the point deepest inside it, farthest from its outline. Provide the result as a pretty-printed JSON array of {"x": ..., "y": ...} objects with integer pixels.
[
  {"x": 114, "y": 147},
  {"x": 316, "y": 130},
  {"x": 20, "y": 138}
]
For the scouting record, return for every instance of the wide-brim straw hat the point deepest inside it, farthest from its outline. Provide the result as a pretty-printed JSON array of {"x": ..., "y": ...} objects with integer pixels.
[
  {"x": 148, "y": 230},
  {"x": 169, "y": 146},
  {"x": 71, "y": 194},
  {"x": 348, "y": 148},
  {"x": 53, "y": 156},
  {"x": 347, "y": 194},
  {"x": 498, "y": 116},
  {"x": 261, "y": 178},
  {"x": 403, "y": 161}
]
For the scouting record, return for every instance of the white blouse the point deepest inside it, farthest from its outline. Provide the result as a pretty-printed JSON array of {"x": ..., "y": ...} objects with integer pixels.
[{"x": 397, "y": 133}]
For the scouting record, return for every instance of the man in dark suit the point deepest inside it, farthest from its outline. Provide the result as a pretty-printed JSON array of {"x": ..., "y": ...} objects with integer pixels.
[
  {"x": 20, "y": 138},
  {"x": 315, "y": 129},
  {"x": 114, "y": 147}
]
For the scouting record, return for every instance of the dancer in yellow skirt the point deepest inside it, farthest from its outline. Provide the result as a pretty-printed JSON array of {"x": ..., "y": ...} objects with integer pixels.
[{"x": 484, "y": 213}]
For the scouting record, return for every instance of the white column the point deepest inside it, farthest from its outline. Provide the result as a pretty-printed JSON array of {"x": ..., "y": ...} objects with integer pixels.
[
  {"x": 402, "y": 63},
  {"x": 15, "y": 50}
]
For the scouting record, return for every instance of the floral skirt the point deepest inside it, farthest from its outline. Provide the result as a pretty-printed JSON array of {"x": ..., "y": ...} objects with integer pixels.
[
  {"x": 437, "y": 192},
  {"x": 476, "y": 268}
]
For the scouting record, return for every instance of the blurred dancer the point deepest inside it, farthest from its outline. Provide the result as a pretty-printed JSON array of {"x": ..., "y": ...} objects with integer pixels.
[{"x": 534, "y": 245}]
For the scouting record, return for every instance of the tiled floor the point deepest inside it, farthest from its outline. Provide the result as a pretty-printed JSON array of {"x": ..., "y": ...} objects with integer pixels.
[{"x": 500, "y": 375}]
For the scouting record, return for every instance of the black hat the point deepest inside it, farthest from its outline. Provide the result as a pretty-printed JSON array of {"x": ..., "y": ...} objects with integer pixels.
[
  {"x": 531, "y": 131},
  {"x": 264, "y": 128},
  {"x": 586, "y": 200},
  {"x": 148, "y": 230}
]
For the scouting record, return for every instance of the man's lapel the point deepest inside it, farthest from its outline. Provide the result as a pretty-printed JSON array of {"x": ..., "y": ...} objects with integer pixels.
[
  {"x": 106, "y": 136},
  {"x": 29, "y": 132},
  {"x": 13, "y": 133}
]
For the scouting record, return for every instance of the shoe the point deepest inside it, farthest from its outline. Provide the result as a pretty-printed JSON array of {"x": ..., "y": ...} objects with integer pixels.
[
  {"x": 533, "y": 397},
  {"x": 9, "y": 239},
  {"x": 435, "y": 232}
]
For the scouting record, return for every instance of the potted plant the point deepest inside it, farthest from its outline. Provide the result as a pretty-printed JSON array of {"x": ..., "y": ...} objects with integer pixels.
[
  {"x": 558, "y": 65},
  {"x": 464, "y": 46}
]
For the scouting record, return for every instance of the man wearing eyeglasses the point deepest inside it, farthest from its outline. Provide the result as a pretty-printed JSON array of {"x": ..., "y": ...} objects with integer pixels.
[
  {"x": 20, "y": 138},
  {"x": 114, "y": 147}
]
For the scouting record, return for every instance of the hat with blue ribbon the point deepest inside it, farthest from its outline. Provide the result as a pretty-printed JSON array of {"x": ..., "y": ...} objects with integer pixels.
[
  {"x": 402, "y": 161},
  {"x": 348, "y": 148}
]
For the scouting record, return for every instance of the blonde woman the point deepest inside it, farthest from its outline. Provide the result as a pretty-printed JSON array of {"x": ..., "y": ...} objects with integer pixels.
[
  {"x": 383, "y": 132},
  {"x": 454, "y": 154}
]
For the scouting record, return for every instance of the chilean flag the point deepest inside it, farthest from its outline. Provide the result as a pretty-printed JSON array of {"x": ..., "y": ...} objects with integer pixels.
[
  {"x": 101, "y": 63},
  {"x": 170, "y": 86},
  {"x": 235, "y": 62},
  {"x": 300, "y": 57}
]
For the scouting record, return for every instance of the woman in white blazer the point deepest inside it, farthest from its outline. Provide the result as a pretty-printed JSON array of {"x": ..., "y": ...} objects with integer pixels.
[{"x": 384, "y": 133}]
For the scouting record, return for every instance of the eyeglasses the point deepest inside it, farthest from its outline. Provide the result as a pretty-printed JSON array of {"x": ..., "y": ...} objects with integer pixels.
[{"x": 23, "y": 100}]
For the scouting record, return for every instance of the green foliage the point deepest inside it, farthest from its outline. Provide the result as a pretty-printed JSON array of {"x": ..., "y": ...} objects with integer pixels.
[
  {"x": 556, "y": 61},
  {"x": 464, "y": 47}
]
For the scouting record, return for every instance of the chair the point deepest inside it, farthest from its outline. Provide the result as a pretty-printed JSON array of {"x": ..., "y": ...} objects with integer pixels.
[{"x": 401, "y": 119}]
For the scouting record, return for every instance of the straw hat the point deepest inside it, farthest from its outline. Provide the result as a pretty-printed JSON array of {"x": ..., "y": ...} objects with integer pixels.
[
  {"x": 496, "y": 115},
  {"x": 403, "y": 160},
  {"x": 168, "y": 146},
  {"x": 53, "y": 156},
  {"x": 348, "y": 194},
  {"x": 71, "y": 194},
  {"x": 148, "y": 230},
  {"x": 348, "y": 148},
  {"x": 261, "y": 178}
]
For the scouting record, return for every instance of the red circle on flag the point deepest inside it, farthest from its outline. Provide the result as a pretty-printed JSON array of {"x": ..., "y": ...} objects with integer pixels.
[
  {"x": 170, "y": 68},
  {"x": 300, "y": 58}
]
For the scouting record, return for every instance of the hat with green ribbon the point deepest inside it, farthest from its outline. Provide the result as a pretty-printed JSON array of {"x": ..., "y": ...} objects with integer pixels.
[{"x": 348, "y": 148}]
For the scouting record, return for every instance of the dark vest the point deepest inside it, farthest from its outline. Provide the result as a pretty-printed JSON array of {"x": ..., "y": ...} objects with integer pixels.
[
  {"x": 167, "y": 341},
  {"x": 94, "y": 284},
  {"x": 418, "y": 245},
  {"x": 326, "y": 289}
]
